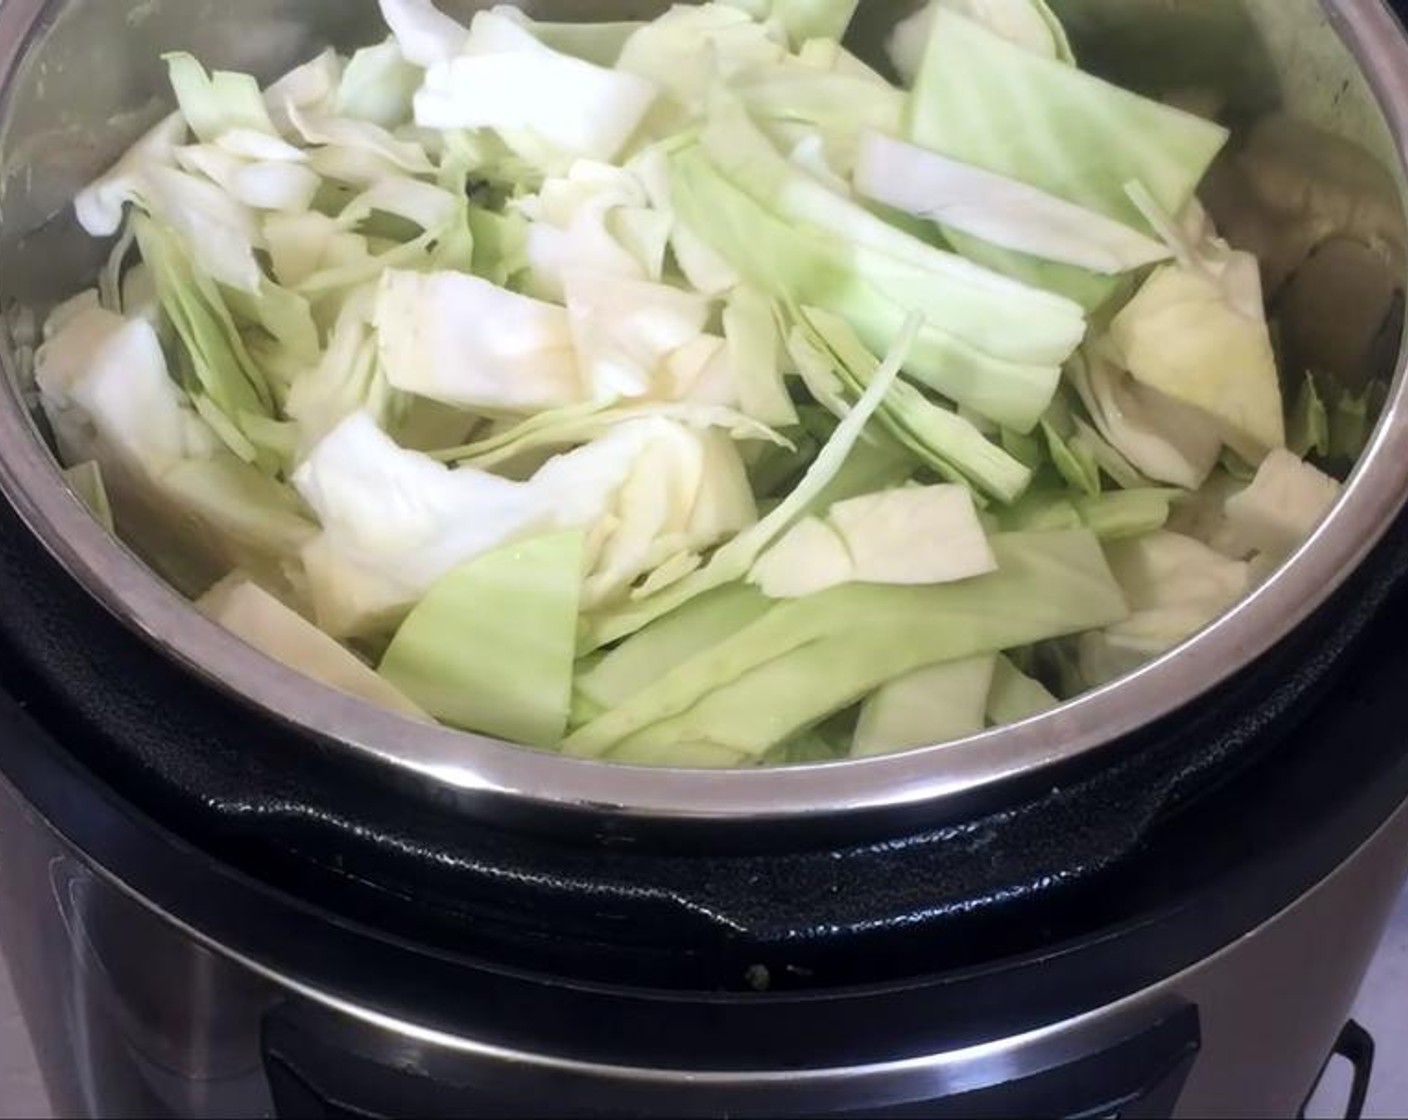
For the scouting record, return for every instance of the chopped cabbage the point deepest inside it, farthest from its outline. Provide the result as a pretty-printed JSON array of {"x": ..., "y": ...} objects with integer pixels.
[
  {"x": 100, "y": 206},
  {"x": 193, "y": 508},
  {"x": 86, "y": 481},
  {"x": 491, "y": 647},
  {"x": 997, "y": 210},
  {"x": 1014, "y": 696},
  {"x": 790, "y": 256},
  {"x": 807, "y": 20},
  {"x": 252, "y": 614},
  {"x": 993, "y": 103},
  {"x": 1189, "y": 337},
  {"x": 734, "y": 560},
  {"x": 541, "y": 363},
  {"x": 466, "y": 342},
  {"x": 1175, "y": 586},
  {"x": 816, "y": 656},
  {"x": 1161, "y": 438},
  {"x": 1283, "y": 506},
  {"x": 688, "y": 50},
  {"x": 624, "y": 330},
  {"x": 426, "y": 36},
  {"x": 575, "y": 108},
  {"x": 930, "y": 706},
  {"x": 1029, "y": 24},
  {"x": 595, "y": 219},
  {"x": 394, "y": 522},
  {"x": 908, "y": 537},
  {"x": 378, "y": 86}
]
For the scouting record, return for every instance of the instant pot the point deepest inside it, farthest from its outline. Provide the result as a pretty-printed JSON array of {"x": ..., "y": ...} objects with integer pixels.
[{"x": 225, "y": 891}]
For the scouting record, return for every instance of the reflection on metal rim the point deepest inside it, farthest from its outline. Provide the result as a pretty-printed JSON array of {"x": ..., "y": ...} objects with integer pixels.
[{"x": 501, "y": 780}]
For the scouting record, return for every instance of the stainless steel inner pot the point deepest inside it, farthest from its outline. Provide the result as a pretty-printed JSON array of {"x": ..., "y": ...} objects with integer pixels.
[{"x": 1323, "y": 203}]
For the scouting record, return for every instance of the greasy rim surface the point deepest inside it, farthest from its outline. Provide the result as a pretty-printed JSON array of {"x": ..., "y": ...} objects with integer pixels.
[{"x": 498, "y": 777}]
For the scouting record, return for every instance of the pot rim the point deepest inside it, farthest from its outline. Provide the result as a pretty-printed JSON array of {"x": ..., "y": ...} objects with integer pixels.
[{"x": 498, "y": 778}]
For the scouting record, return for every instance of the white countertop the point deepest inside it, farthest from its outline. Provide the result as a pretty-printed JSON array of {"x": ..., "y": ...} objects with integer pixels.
[{"x": 21, "y": 1092}]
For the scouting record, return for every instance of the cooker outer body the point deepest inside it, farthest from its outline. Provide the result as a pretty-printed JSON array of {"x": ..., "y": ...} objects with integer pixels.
[{"x": 135, "y": 1014}]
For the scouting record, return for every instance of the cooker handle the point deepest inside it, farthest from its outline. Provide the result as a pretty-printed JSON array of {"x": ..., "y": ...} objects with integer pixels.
[{"x": 1356, "y": 1046}]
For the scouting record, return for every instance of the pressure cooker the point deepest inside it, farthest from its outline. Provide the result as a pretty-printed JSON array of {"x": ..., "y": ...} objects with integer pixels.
[{"x": 225, "y": 890}]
